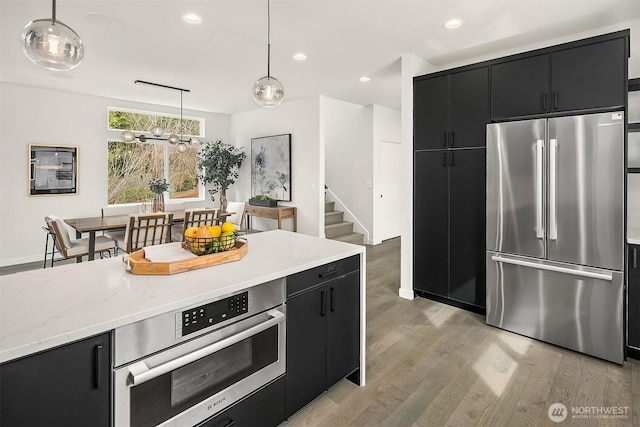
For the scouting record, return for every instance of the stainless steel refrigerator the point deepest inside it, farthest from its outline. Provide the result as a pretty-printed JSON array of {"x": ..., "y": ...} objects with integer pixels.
[{"x": 555, "y": 231}]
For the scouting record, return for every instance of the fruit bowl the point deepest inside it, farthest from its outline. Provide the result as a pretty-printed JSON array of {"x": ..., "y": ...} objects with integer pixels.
[{"x": 210, "y": 245}]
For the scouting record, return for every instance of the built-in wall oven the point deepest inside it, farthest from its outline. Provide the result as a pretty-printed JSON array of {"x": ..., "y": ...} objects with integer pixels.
[{"x": 182, "y": 367}]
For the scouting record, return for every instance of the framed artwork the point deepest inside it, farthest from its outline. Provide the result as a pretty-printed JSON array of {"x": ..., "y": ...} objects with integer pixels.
[
  {"x": 271, "y": 167},
  {"x": 53, "y": 169}
]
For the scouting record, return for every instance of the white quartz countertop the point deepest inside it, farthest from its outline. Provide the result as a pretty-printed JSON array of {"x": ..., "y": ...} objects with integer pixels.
[
  {"x": 45, "y": 308},
  {"x": 633, "y": 236}
]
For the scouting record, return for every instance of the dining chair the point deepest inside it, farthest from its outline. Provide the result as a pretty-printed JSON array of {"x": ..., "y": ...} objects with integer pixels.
[
  {"x": 196, "y": 218},
  {"x": 50, "y": 235},
  {"x": 146, "y": 230},
  {"x": 237, "y": 218},
  {"x": 117, "y": 210},
  {"x": 73, "y": 248}
]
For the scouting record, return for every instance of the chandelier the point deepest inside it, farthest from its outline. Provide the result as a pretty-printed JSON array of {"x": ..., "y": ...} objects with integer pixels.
[
  {"x": 50, "y": 44},
  {"x": 268, "y": 91},
  {"x": 158, "y": 132}
]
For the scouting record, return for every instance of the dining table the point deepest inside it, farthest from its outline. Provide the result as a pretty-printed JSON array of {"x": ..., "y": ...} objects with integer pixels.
[{"x": 94, "y": 224}]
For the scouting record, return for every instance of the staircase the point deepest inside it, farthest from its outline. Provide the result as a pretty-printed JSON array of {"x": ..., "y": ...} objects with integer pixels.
[{"x": 336, "y": 228}]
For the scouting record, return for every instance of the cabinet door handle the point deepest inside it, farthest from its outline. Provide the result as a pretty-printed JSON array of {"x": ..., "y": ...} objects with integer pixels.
[
  {"x": 635, "y": 258},
  {"x": 451, "y": 159},
  {"x": 331, "y": 307},
  {"x": 555, "y": 99},
  {"x": 444, "y": 139},
  {"x": 444, "y": 159},
  {"x": 544, "y": 102},
  {"x": 332, "y": 270},
  {"x": 97, "y": 377},
  {"x": 451, "y": 139},
  {"x": 323, "y": 303}
]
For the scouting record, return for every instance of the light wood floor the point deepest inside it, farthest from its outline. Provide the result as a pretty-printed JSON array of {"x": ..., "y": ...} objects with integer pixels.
[{"x": 429, "y": 364}]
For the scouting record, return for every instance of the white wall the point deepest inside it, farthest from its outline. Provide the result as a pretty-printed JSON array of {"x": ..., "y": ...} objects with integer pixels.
[
  {"x": 31, "y": 115},
  {"x": 349, "y": 157},
  {"x": 300, "y": 118},
  {"x": 387, "y": 162}
]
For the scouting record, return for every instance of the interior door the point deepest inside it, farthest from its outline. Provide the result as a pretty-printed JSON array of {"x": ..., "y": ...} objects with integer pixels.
[
  {"x": 586, "y": 190},
  {"x": 515, "y": 185}
]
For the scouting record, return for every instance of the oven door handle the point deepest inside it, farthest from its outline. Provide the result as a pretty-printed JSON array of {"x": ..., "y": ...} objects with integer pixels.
[{"x": 140, "y": 372}]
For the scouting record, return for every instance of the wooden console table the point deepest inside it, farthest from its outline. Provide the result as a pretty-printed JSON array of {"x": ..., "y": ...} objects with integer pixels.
[{"x": 278, "y": 212}]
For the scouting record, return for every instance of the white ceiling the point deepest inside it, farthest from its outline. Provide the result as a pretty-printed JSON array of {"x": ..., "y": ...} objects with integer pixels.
[{"x": 220, "y": 59}]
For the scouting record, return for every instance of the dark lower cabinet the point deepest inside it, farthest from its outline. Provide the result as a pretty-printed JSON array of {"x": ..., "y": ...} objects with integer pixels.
[
  {"x": 323, "y": 331},
  {"x": 449, "y": 226},
  {"x": 264, "y": 408},
  {"x": 65, "y": 386},
  {"x": 633, "y": 295}
]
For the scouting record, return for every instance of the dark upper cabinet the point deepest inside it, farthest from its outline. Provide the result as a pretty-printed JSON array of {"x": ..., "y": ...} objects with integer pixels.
[
  {"x": 520, "y": 87},
  {"x": 451, "y": 110},
  {"x": 65, "y": 386},
  {"x": 431, "y": 112},
  {"x": 633, "y": 295},
  {"x": 585, "y": 77},
  {"x": 469, "y": 108},
  {"x": 591, "y": 76}
]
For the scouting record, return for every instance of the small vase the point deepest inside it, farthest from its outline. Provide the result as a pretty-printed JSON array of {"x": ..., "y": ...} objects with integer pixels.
[
  {"x": 158, "y": 202},
  {"x": 223, "y": 200}
]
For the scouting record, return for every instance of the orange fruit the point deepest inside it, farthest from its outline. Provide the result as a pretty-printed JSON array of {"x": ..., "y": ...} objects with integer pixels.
[
  {"x": 190, "y": 233},
  {"x": 203, "y": 232},
  {"x": 215, "y": 230}
]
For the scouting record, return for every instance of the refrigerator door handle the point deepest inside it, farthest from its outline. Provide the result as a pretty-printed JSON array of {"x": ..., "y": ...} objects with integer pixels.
[
  {"x": 592, "y": 274},
  {"x": 553, "y": 170},
  {"x": 539, "y": 188}
]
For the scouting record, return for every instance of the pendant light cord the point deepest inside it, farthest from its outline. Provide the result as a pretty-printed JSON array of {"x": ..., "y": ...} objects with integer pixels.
[
  {"x": 53, "y": 12},
  {"x": 268, "y": 39},
  {"x": 180, "y": 116}
]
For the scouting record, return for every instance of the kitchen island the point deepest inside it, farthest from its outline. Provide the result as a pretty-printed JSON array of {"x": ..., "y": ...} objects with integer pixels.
[{"x": 45, "y": 313}]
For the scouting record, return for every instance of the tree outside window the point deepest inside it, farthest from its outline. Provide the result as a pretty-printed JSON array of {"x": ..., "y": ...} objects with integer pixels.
[{"x": 132, "y": 165}]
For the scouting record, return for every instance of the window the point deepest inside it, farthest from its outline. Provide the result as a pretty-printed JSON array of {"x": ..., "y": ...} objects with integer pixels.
[{"x": 132, "y": 165}]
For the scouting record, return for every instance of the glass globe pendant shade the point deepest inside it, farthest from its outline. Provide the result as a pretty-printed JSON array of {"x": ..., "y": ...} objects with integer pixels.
[
  {"x": 268, "y": 92},
  {"x": 181, "y": 147},
  {"x": 173, "y": 139},
  {"x": 194, "y": 142},
  {"x": 127, "y": 136},
  {"x": 157, "y": 131},
  {"x": 52, "y": 45}
]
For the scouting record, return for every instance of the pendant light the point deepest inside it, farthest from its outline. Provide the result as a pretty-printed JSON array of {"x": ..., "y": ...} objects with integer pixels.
[
  {"x": 157, "y": 132},
  {"x": 268, "y": 91},
  {"x": 51, "y": 44}
]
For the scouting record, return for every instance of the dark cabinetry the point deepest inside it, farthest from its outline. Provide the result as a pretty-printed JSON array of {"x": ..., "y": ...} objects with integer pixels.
[
  {"x": 68, "y": 385},
  {"x": 633, "y": 295},
  {"x": 449, "y": 225},
  {"x": 451, "y": 110},
  {"x": 323, "y": 329},
  {"x": 263, "y": 408},
  {"x": 565, "y": 78}
]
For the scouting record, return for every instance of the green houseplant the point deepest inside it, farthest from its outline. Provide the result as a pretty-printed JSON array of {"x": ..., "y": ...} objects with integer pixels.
[
  {"x": 219, "y": 163},
  {"x": 158, "y": 187}
]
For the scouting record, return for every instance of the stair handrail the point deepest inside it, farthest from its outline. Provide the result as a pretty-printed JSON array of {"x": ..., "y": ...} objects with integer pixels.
[{"x": 346, "y": 209}]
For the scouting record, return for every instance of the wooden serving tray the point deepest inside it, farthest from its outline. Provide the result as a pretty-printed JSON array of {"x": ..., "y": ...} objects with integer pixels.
[{"x": 138, "y": 264}]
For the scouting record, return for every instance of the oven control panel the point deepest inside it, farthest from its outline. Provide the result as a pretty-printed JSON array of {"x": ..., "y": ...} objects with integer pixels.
[{"x": 201, "y": 317}]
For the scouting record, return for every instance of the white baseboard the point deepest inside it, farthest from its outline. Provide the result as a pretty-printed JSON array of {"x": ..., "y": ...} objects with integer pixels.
[
  {"x": 22, "y": 260},
  {"x": 406, "y": 293}
]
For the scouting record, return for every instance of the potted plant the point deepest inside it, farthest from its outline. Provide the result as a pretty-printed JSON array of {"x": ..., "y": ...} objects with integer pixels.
[
  {"x": 219, "y": 163},
  {"x": 263, "y": 200},
  {"x": 158, "y": 187}
]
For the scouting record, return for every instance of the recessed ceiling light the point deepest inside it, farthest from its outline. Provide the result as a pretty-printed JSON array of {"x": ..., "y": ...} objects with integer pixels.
[
  {"x": 365, "y": 79},
  {"x": 454, "y": 23},
  {"x": 299, "y": 56},
  {"x": 191, "y": 18}
]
